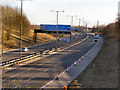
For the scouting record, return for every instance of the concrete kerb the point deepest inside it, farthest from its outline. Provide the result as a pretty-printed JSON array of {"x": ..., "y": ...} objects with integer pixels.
[{"x": 87, "y": 58}]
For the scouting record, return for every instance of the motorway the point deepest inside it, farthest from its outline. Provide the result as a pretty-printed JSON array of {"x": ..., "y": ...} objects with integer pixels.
[
  {"x": 16, "y": 53},
  {"x": 43, "y": 68}
]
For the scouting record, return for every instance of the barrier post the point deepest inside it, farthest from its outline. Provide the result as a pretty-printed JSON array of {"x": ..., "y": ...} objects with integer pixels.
[
  {"x": 43, "y": 86},
  {"x": 79, "y": 60},
  {"x": 57, "y": 76},
  {"x": 82, "y": 58},
  {"x": 74, "y": 63},
  {"x": 67, "y": 69}
]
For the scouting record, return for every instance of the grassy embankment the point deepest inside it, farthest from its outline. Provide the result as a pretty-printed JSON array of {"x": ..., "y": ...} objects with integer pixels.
[
  {"x": 28, "y": 40},
  {"x": 11, "y": 21},
  {"x": 102, "y": 72}
]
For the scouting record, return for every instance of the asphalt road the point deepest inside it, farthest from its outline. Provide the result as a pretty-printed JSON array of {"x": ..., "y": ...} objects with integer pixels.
[
  {"x": 16, "y": 53},
  {"x": 40, "y": 71}
]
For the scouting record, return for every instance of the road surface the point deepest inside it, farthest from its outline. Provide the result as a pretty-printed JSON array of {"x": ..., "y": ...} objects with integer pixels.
[
  {"x": 41, "y": 70},
  {"x": 16, "y": 53}
]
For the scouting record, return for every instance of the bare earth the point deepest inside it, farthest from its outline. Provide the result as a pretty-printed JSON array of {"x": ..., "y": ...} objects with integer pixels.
[{"x": 102, "y": 72}]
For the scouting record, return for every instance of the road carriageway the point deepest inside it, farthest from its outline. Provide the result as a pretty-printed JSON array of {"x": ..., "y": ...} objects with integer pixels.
[
  {"x": 35, "y": 51},
  {"x": 63, "y": 79},
  {"x": 42, "y": 70}
]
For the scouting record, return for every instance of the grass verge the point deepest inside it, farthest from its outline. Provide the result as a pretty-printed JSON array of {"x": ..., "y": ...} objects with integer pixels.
[{"x": 102, "y": 72}]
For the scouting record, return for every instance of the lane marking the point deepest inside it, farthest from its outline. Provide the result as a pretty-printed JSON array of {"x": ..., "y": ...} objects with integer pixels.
[{"x": 72, "y": 64}]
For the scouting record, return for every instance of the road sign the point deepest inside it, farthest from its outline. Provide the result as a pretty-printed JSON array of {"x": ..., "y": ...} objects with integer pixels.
[
  {"x": 19, "y": 42},
  {"x": 78, "y": 28},
  {"x": 73, "y": 28},
  {"x": 47, "y": 27}
]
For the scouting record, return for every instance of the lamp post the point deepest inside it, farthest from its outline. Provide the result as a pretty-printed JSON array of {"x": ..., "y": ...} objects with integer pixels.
[
  {"x": 72, "y": 19},
  {"x": 57, "y": 26},
  {"x": 1, "y": 48},
  {"x": 21, "y": 32},
  {"x": 97, "y": 24},
  {"x": 21, "y": 28},
  {"x": 79, "y": 22},
  {"x": 71, "y": 25},
  {"x": 83, "y": 24}
]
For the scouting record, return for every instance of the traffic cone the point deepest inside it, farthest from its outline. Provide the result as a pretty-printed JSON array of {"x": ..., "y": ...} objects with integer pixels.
[
  {"x": 79, "y": 60},
  {"x": 67, "y": 69},
  {"x": 43, "y": 86},
  {"x": 74, "y": 63},
  {"x": 65, "y": 87},
  {"x": 82, "y": 58},
  {"x": 57, "y": 76}
]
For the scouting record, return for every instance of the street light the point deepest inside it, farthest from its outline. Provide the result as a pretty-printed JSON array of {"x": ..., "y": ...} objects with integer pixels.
[
  {"x": 21, "y": 30},
  {"x": 21, "y": 27},
  {"x": 71, "y": 25},
  {"x": 72, "y": 19},
  {"x": 57, "y": 25},
  {"x": 79, "y": 21},
  {"x": 83, "y": 23}
]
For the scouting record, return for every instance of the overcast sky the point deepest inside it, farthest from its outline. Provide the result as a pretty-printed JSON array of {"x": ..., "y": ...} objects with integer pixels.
[{"x": 38, "y": 11}]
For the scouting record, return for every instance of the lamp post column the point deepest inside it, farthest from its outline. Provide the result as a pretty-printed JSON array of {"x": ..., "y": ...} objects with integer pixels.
[{"x": 21, "y": 32}]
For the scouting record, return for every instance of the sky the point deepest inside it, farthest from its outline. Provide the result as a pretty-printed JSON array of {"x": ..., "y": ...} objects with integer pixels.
[{"x": 90, "y": 11}]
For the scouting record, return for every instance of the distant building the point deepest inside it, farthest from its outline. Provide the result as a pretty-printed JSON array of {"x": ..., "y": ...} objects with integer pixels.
[{"x": 119, "y": 9}]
